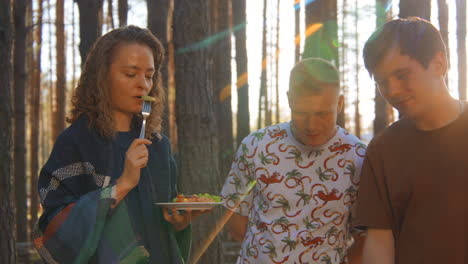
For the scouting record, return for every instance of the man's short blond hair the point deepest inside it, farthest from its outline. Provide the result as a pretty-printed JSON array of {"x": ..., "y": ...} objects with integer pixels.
[{"x": 313, "y": 75}]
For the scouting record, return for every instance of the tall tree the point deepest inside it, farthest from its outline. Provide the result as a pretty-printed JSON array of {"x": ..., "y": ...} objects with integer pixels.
[
  {"x": 60, "y": 86},
  {"x": 73, "y": 45},
  {"x": 277, "y": 52},
  {"x": 196, "y": 122},
  {"x": 418, "y": 8},
  {"x": 7, "y": 224},
  {"x": 263, "y": 96},
  {"x": 221, "y": 76},
  {"x": 343, "y": 49},
  {"x": 35, "y": 115},
  {"x": 29, "y": 57},
  {"x": 461, "y": 48},
  {"x": 123, "y": 12},
  {"x": 357, "y": 114},
  {"x": 382, "y": 108},
  {"x": 101, "y": 18},
  {"x": 242, "y": 83},
  {"x": 171, "y": 78},
  {"x": 90, "y": 28},
  {"x": 443, "y": 25},
  {"x": 110, "y": 14},
  {"x": 29, "y": 66},
  {"x": 159, "y": 24},
  {"x": 270, "y": 58},
  {"x": 297, "y": 29},
  {"x": 19, "y": 86},
  {"x": 50, "y": 84},
  {"x": 323, "y": 42}
]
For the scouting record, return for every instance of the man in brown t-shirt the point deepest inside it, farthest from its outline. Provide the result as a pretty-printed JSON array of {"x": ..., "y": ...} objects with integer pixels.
[{"x": 412, "y": 194}]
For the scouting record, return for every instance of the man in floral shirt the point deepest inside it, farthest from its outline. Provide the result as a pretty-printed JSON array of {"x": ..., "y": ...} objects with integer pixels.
[{"x": 307, "y": 176}]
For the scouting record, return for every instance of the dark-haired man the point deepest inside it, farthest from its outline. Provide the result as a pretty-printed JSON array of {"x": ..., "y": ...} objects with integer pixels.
[
  {"x": 307, "y": 175},
  {"x": 413, "y": 182}
]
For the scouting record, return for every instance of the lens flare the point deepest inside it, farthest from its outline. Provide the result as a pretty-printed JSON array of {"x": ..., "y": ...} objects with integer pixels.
[{"x": 243, "y": 78}]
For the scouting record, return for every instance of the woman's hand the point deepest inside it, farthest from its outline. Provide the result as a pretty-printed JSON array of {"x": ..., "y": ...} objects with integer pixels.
[
  {"x": 135, "y": 159},
  {"x": 182, "y": 218}
]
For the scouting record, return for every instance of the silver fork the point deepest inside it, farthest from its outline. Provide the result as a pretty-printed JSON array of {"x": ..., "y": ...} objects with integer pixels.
[{"x": 145, "y": 111}]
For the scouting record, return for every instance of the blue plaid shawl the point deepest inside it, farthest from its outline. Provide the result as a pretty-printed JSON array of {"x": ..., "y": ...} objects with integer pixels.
[{"x": 76, "y": 188}]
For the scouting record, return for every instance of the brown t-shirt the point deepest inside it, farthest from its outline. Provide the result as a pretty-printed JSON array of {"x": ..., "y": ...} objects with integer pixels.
[{"x": 415, "y": 183}]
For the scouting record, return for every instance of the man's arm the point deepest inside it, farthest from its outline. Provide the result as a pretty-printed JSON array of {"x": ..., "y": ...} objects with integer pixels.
[
  {"x": 237, "y": 226},
  {"x": 355, "y": 252},
  {"x": 379, "y": 247}
]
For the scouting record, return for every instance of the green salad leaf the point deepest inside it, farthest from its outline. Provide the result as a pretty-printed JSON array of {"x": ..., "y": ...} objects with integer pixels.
[
  {"x": 215, "y": 198},
  {"x": 148, "y": 98}
]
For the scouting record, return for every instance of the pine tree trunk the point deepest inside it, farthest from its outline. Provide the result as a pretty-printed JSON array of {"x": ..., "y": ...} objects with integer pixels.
[
  {"x": 30, "y": 67},
  {"x": 159, "y": 24},
  {"x": 277, "y": 50},
  {"x": 90, "y": 28},
  {"x": 220, "y": 16},
  {"x": 345, "y": 68},
  {"x": 269, "y": 70},
  {"x": 28, "y": 95},
  {"x": 357, "y": 114},
  {"x": 29, "y": 64},
  {"x": 381, "y": 119},
  {"x": 263, "y": 97},
  {"x": 322, "y": 43},
  {"x": 419, "y": 8},
  {"x": 51, "y": 91},
  {"x": 60, "y": 88},
  {"x": 242, "y": 83},
  {"x": 461, "y": 47},
  {"x": 297, "y": 30},
  {"x": 196, "y": 122},
  {"x": 333, "y": 31},
  {"x": 20, "y": 78},
  {"x": 171, "y": 100},
  {"x": 7, "y": 224},
  {"x": 73, "y": 25},
  {"x": 110, "y": 14},
  {"x": 443, "y": 24},
  {"x": 101, "y": 19},
  {"x": 123, "y": 12},
  {"x": 35, "y": 116}
]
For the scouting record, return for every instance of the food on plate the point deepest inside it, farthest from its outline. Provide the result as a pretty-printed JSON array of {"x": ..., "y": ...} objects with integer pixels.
[
  {"x": 197, "y": 198},
  {"x": 148, "y": 98}
]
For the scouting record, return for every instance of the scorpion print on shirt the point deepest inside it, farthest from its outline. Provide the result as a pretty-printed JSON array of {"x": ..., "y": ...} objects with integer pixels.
[{"x": 301, "y": 208}]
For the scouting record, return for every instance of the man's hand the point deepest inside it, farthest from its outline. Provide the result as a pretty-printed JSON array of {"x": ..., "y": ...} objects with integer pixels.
[
  {"x": 182, "y": 218},
  {"x": 355, "y": 252},
  {"x": 379, "y": 247},
  {"x": 237, "y": 226}
]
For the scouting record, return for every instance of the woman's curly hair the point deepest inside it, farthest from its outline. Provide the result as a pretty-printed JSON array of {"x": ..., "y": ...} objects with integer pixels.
[{"x": 92, "y": 94}]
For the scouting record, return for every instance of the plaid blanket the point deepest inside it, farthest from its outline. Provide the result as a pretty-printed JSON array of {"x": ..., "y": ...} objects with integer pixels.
[{"x": 77, "y": 189}]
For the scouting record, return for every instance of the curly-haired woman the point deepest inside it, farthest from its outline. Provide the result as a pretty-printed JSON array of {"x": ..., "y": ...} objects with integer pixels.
[{"x": 100, "y": 183}]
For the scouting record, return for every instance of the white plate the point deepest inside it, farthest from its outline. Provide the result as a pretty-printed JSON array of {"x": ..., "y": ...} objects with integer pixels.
[{"x": 192, "y": 206}]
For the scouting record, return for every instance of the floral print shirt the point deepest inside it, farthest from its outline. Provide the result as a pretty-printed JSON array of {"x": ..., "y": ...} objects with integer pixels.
[{"x": 300, "y": 208}]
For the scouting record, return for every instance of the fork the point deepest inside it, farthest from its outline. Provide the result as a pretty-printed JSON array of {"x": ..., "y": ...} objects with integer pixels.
[{"x": 145, "y": 112}]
